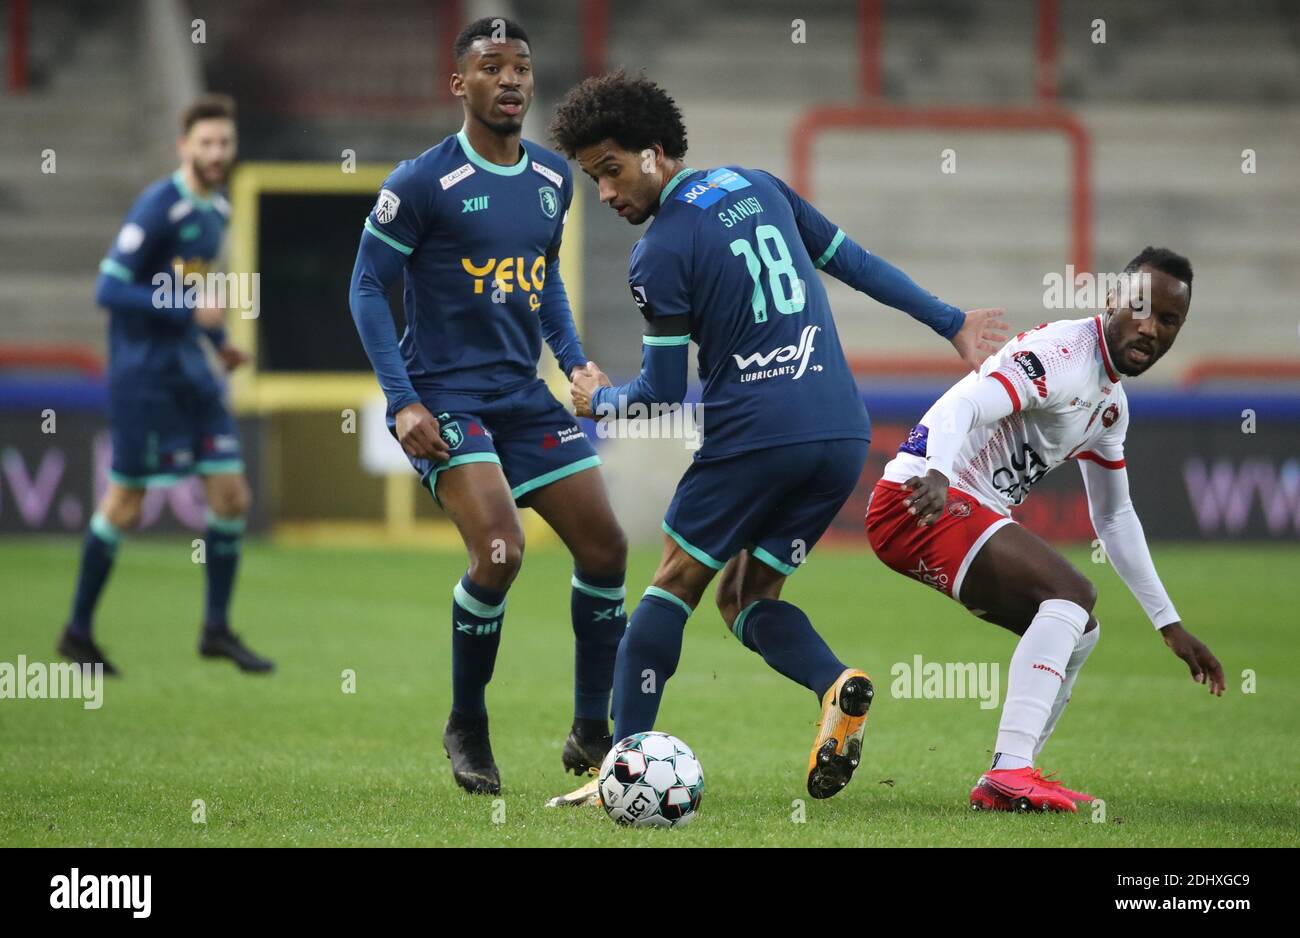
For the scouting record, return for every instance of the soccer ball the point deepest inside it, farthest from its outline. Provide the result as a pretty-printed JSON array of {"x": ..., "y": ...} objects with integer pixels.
[{"x": 651, "y": 780}]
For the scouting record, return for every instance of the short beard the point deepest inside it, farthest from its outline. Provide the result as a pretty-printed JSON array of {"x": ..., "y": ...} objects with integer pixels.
[
  {"x": 223, "y": 172},
  {"x": 506, "y": 127}
]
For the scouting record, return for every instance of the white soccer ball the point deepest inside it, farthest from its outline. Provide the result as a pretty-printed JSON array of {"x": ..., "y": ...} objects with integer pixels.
[{"x": 651, "y": 780}]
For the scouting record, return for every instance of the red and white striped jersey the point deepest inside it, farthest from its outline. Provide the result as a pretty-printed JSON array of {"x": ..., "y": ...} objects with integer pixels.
[{"x": 1066, "y": 403}]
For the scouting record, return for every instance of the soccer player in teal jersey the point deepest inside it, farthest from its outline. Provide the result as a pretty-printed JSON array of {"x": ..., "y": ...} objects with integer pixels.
[
  {"x": 730, "y": 261},
  {"x": 473, "y": 226},
  {"x": 165, "y": 396}
]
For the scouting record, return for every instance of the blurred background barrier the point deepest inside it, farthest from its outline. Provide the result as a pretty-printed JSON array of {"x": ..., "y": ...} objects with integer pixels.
[{"x": 981, "y": 145}]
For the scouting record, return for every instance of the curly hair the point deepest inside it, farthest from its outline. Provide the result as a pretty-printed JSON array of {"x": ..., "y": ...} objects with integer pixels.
[{"x": 631, "y": 110}]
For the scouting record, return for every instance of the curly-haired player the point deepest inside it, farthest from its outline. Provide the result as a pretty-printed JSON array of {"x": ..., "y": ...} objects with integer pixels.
[{"x": 730, "y": 261}]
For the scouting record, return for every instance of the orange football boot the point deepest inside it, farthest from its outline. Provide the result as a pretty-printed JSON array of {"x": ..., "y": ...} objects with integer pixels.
[{"x": 837, "y": 749}]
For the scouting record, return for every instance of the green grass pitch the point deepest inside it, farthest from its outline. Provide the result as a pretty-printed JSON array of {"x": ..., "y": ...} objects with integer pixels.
[{"x": 292, "y": 760}]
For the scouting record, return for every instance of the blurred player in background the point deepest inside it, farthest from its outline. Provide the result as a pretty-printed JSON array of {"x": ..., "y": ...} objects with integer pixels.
[
  {"x": 730, "y": 260},
  {"x": 941, "y": 513},
  {"x": 165, "y": 393},
  {"x": 475, "y": 225}
]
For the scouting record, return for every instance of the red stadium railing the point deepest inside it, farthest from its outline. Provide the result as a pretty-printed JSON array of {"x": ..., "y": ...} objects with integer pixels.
[
  {"x": 448, "y": 21},
  {"x": 1045, "y": 51},
  {"x": 51, "y": 358},
  {"x": 19, "y": 23},
  {"x": 594, "y": 22},
  {"x": 1240, "y": 369},
  {"x": 871, "y": 30},
  {"x": 871, "y": 22},
  {"x": 979, "y": 120}
]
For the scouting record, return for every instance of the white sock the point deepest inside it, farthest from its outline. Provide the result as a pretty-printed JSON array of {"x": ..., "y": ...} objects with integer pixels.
[
  {"x": 1036, "y": 676},
  {"x": 1077, "y": 658}
]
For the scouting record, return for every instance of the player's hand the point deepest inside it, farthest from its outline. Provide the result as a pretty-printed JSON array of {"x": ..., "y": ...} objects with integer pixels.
[
  {"x": 209, "y": 317},
  {"x": 929, "y": 495},
  {"x": 419, "y": 433},
  {"x": 1200, "y": 660},
  {"x": 583, "y": 383},
  {"x": 233, "y": 357},
  {"x": 981, "y": 335}
]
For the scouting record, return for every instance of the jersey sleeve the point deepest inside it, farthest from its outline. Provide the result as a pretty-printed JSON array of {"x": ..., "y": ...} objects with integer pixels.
[
  {"x": 1040, "y": 375},
  {"x": 660, "y": 278},
  {"x": 821, "y": 237},
  {"x": 143, "y": 229},
  {"x": 402, "y": 211},
  {"x": 566, "y": 202}
]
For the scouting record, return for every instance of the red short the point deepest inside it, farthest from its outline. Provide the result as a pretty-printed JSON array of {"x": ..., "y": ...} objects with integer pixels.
[{"x": 938, "y": 555}]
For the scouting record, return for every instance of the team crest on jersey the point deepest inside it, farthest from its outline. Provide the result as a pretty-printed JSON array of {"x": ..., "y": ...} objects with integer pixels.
[
  {"x": 387, "y": 205},
  {"x": 451, "y": 433},
  {"x": 550, "y": 201},
  {"x": 1110, "y": 415},
  {"x": 958, "y": 508}
]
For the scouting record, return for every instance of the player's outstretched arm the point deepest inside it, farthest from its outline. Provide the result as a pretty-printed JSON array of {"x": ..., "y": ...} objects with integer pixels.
[
  {"x": 664, "y": 362},
  {"x": 1117, "y": 525},
  {"x": 975, "y": 334},
  {"x": 986, "y": 401}
]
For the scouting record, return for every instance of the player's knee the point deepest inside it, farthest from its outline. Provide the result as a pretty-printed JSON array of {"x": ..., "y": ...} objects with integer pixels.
[
  {"x": 728, "y": 603},
  {"x": 605, "y": 554},
  {"x": 123, "y": 508},
  {"x": 1078, "y": 590},
  {"x": 1085, "y": 594},
  {"x": 680, "y": 585},
  {"x": 496, "y": 562},
  {"x": 231, "y": 501}
]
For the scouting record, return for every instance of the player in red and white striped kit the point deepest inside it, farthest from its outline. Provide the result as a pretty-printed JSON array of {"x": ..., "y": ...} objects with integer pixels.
[{"x": 941, "y": 513}]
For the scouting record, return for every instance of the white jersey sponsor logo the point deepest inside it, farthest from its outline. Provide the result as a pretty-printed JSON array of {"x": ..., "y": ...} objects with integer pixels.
[
  {"x": 1069, "y": 405},
  {"x": 550, "y": 174},
  {"x": 179, "y": 210},
  {"x": 781, "y": 356},
  {"x": 455, "y": 176}
]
